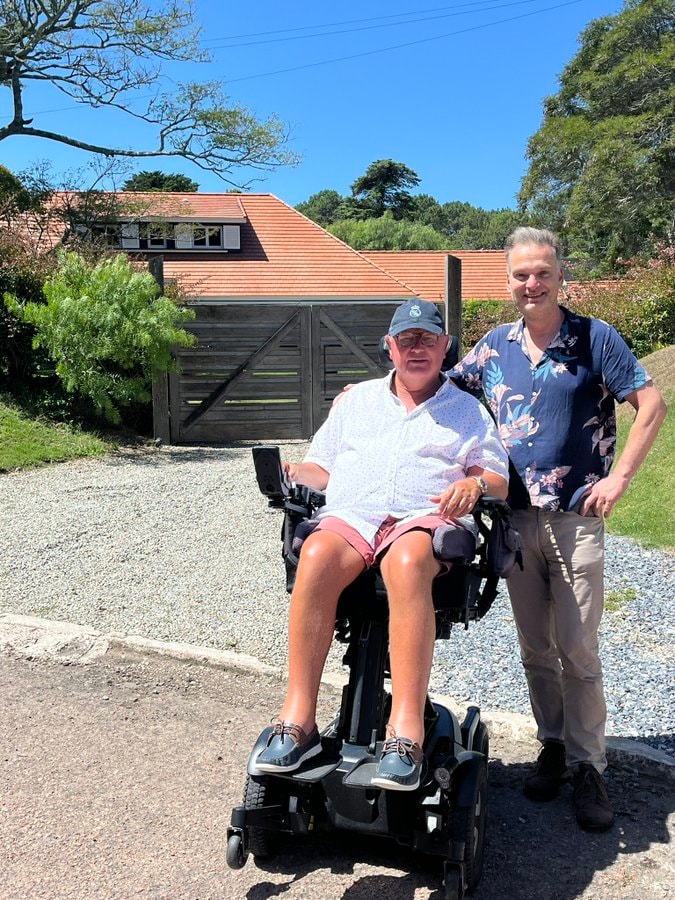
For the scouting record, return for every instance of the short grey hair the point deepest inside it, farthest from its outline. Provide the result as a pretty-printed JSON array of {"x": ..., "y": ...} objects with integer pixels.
[{"x": 541, "y": 236}]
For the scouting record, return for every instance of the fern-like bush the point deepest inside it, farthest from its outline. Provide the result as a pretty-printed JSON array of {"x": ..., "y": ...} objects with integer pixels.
[{"x": 107, "y": 328}]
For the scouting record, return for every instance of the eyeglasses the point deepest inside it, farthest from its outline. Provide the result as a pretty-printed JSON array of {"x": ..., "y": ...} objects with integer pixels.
[{"x": 408, "y": 341}]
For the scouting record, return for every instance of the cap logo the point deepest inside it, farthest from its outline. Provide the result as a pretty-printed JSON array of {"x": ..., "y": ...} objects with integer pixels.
[{"x": 415, "y": 311}]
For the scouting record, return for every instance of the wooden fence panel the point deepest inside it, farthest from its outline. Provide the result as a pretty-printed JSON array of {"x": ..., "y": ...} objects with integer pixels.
[{"x": 270, "y": 371}]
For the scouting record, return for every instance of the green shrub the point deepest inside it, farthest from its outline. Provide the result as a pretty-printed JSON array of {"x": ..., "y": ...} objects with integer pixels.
[
  {"x": 480, "y": 316},
  {"x": 107, "y": 330},
  {"x": 22, "y": 274},
  {"x": 641, "y": 306},
  {"x": 387, "y": 233}
]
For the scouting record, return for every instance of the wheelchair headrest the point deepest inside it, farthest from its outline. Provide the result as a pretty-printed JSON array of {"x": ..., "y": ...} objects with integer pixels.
[{"x": 450, "y": 361}]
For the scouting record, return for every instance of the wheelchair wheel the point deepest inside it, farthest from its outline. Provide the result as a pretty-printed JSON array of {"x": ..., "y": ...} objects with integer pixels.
[
  {"x": 481, "y": 741},
  {"x": 260, "y": 791},
  {"x": 452, "y": 885},
  {"x": 235, "y": 856},
  {"x": 468, "y": 825}
]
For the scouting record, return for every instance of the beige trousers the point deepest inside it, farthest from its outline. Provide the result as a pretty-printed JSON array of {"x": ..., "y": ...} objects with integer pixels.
[{"x": 557, "y": 603}]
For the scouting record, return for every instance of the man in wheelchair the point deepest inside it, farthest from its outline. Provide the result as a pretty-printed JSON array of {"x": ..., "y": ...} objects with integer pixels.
[{"x": 403, "y": 461}]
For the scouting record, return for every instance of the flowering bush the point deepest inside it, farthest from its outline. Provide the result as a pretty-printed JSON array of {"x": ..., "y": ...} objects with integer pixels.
[{"x": 641, "y": 305}]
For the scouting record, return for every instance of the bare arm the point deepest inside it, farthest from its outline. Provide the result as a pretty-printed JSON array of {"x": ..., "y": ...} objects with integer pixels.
[
  {"x": 307, "y": 473},
  {"x": 461, "y": 497},
  {"x": 651, "y": 411}
]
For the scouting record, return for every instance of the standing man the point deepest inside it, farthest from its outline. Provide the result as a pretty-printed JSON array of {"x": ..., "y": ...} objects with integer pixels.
[{"x": 551, "y": 380}]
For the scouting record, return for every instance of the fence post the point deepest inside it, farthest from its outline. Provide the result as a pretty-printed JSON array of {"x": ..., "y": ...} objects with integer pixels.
[
  {"x": 453, "y": 293},
  {"x": 160, "y": 382}
]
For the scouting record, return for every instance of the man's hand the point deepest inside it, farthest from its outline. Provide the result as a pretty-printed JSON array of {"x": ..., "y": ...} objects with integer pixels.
[
  {"x": 291, "y": 471},
  {"x": 306, "y": 473},
  {"x": 341, "y": 395},
  {"x": 459, "y": 499},
  {"x": 603, "y": 496}
]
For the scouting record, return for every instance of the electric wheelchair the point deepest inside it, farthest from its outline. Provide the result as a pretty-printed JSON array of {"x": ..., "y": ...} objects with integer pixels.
[{"x": 445, "y": 817}]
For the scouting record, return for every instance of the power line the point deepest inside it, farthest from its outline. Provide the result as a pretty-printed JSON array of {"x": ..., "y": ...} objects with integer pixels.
[
  {"x": 235, "y": 37},
  {"x": 364, "y": 53},
  {"x": 300, "y": 37},
  {"x": 436, "y": 37}
]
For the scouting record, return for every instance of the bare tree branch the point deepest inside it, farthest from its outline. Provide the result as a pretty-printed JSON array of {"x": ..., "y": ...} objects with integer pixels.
[{"x": 103, "y": 54}]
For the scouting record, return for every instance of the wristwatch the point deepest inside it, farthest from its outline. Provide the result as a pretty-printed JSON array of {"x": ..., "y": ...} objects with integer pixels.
[{"x": 482, "y": 484}]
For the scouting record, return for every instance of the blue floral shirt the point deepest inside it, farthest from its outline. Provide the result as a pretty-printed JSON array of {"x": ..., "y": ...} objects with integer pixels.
[{"x": 556, "y": 418}]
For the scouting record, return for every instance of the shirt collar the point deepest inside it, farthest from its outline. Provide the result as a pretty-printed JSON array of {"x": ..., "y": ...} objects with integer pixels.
[
  {"x": 566, "y": 337},
  {"x": 442, "y": 387}
]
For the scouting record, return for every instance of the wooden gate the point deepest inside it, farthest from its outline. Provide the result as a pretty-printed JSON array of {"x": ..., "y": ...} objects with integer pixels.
[{"x": 267, "y": 371}]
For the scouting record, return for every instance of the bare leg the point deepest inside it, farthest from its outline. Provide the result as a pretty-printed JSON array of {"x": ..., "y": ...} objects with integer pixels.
[
  {"x": 408, "y": 569},
  {"x": 327, "y": 565}
]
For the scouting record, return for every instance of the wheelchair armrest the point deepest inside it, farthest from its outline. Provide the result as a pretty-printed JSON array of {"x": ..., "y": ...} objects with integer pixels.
[
  {"x": 489, "y": 504},
  {"x": 312, "y": 498}
]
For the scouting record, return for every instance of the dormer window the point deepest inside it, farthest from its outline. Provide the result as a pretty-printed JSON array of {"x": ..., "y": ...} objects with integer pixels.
[
  {"x": 156, "y": 236},
  {"x": 207, "y": 236},
  {"x": 129, "y": 236},
  {"x": 201, "y": 236},
  {"x": 168, "y": 236}
]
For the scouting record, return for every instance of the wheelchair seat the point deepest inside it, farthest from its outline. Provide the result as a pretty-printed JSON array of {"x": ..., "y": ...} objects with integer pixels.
[{"x": 459, "y": 595}]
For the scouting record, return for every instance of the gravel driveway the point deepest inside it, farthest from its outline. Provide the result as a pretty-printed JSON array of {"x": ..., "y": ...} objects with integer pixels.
[{"x": 178, "y": 544}]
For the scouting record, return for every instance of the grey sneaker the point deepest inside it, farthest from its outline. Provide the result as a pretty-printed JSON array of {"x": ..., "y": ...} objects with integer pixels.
[
  {"x": 592, "y": 805},
  {"x": 549, "y": 773}
]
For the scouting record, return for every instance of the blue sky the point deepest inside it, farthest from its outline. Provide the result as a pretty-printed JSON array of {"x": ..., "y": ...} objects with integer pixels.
[{"x": 452, "y": 90}]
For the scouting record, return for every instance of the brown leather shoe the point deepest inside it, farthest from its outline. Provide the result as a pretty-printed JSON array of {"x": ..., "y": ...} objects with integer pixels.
[
  {"x": 544, "y": 783},
  {"x": 591, "y": 802}
]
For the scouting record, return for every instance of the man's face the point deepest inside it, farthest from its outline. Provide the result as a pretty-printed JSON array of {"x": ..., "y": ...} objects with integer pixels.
[
  {"x": 416, "y": 359},
  {"x": 534, "y": 279}
]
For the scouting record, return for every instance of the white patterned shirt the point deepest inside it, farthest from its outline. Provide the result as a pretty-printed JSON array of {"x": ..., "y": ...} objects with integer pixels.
[{"x": 385, "y": 461}]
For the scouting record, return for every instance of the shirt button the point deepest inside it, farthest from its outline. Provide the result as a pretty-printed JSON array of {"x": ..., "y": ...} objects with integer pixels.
[
  {"x": 529, "y": 443},
  {"x": 527, "y": 468}
]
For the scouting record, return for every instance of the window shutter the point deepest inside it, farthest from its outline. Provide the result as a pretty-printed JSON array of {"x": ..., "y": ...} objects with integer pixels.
[
  {"x": 231, "y": 237},
  {"x": 130, "y": 236},
  {"x": 183, "y": 236}
]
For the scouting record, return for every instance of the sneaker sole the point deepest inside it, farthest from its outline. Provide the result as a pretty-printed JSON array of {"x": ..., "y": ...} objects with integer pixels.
[
  {"x": 271, "y": 768},
  {"x": 388, "y": 785}
]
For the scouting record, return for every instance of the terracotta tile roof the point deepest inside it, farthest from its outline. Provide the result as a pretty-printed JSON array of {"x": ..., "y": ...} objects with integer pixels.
[
  {"x": 283, "y": 254},
  {"x": 48, "y": 231},
  {"x": 483, "y": 271},
  {"x": 204, "y": 207}
]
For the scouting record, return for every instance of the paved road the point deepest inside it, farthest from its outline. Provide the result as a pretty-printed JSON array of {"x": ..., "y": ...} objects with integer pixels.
[{"x": 118, "y": 777}]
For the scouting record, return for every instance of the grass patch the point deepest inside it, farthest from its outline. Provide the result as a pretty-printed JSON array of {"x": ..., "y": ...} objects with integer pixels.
[
  {"x": 614, "y": 600},
  {"x": 32, "y": 442},
  {"x": 645, "y": 512}
]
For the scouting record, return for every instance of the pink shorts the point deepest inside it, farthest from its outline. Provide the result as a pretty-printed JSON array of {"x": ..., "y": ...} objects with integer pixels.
[{"x": 385, "y": 536}]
